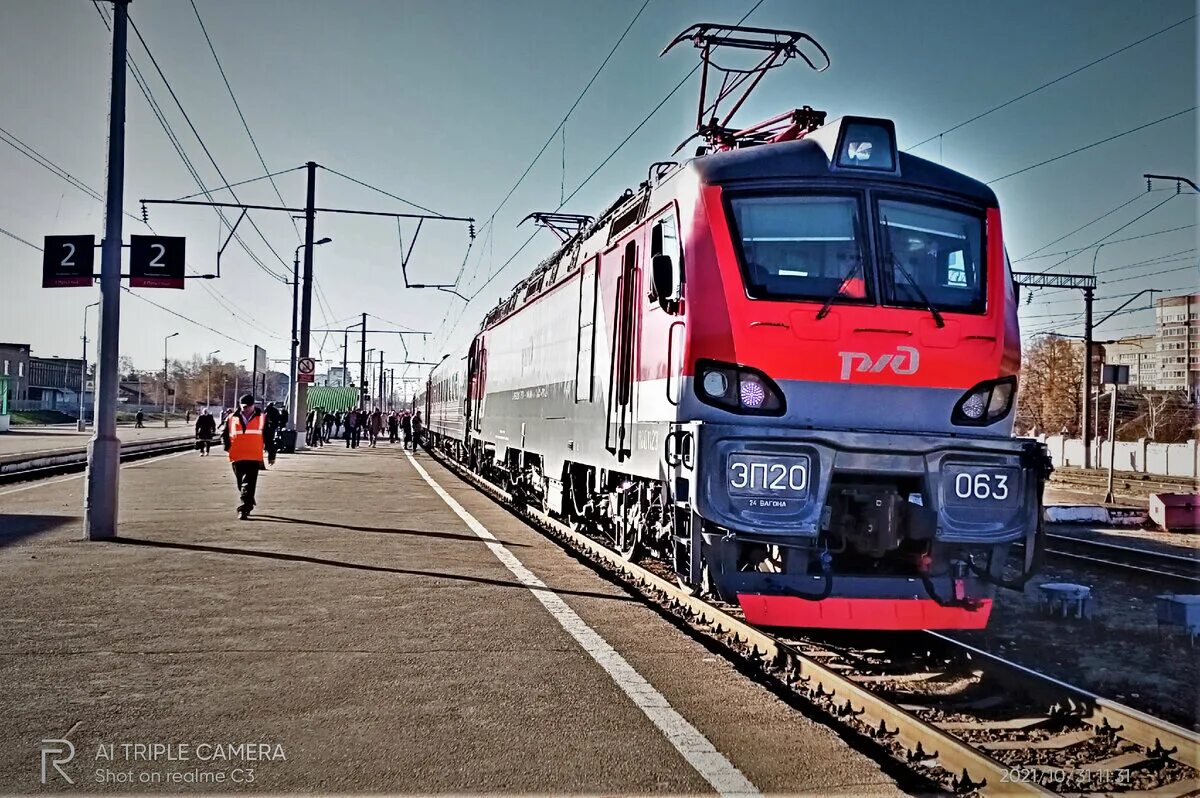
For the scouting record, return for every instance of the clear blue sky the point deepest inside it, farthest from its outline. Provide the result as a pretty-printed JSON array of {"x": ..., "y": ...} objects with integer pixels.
[{"x": 445, "y": 103}]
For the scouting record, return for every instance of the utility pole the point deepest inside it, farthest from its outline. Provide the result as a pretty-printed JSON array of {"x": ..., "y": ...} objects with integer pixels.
[
  {"x": 345, "y": 355},
  {"x": 104, "y": 450},
  {"x": 310, "y": 217},
  {"x": 362, "y": 366},
  {"x": 1085, "y": 426},
  {"x": 83, "y": 368},
  {"x": 379, "y": 400}
]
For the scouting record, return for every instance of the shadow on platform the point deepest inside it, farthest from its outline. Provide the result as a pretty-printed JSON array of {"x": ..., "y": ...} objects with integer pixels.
[
  {"x": 15, "y": 527},
  {"x": 300, "y": 558}
]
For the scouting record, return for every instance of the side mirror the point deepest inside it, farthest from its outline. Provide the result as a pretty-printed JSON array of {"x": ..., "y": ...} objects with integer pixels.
[{"x": 665, "y": 281}]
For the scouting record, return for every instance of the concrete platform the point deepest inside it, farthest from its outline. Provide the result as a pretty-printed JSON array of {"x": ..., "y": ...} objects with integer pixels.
[{"x": 364, "y": 630}]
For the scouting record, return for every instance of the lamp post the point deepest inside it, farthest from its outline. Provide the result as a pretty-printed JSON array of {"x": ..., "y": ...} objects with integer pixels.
[
  {"x": 80, "y": 425},
  {"x": 292, "y": 392},
  {"x": 208, "y": 379},
  {"x": 237, "y": 376},
  {"x": 164, "y": 408}
]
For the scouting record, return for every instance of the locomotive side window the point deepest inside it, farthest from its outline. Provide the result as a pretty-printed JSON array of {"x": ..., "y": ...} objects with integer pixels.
[
  {"x": 802, "y": 247},
  {"x": 932, "y": 251}
]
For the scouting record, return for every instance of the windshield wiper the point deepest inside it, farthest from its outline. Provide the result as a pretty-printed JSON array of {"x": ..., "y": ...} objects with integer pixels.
[
  {"x": 937, "y": 316},
  {"x": 895, "y": 262},
  {"x": 824, "y": 311}
]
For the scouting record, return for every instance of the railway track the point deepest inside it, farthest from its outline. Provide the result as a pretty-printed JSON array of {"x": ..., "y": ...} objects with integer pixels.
[
  {"x": 1126, "y": 483},
  {"x": 55, "y": 462},
  {"x": 957, "y": 716},
  {"x": 1170, "y": 570}
]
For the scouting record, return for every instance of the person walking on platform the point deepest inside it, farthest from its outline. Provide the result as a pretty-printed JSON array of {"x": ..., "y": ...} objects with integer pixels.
[
  {"x": 374, "y": 426},
  {"x": 418, "y": 427},
  {"x": 328, "y": 423},
  {"x": 353, "y": 431},
  {"x": 206, "y": 429},
  {"x": 393, "y": 422},
  {"x": 271, "y": 429},
  {"x": 338, "y": 420},
  {"x": 406, "y": 428},
  {"x": 243, "y": 440},
  {"x": 138, "y": 418}
]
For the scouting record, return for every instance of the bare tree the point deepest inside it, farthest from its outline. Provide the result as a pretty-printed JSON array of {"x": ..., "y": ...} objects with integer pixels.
[{"x": 1051, "y": 382}]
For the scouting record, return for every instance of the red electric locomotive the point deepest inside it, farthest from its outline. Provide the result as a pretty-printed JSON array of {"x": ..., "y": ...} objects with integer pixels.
[{"x": 787, "y": 366}]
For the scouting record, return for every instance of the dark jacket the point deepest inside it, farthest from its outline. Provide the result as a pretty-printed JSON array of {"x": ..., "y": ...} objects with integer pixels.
[{"x": 206, "y": 427}]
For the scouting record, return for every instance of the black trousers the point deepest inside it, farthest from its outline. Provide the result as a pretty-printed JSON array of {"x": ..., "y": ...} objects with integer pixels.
[{"x": 246, "y": 472}]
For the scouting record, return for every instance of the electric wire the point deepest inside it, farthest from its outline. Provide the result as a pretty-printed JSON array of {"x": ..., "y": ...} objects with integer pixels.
[
  {"x": 1106, "y": 243},
  {"x": 203, "y": 145},
  {"x": 185, "y": 318},
  {"x": 1089, "y": 146},
  {"x": 18, "y": 238},
  {"x": 144, "y": 86},
  {"x": 1049, "y": 83},
  {"x": 1101, "y": 240},
  {"x": 566, "y": 116},
  {"x": 242, "y": 116},
  {"x": 380, "y": 190},
  {"x": 246, "y": 182},
  {"x": 1130, "y": 201},
  {"x": 495, "y": 273}
]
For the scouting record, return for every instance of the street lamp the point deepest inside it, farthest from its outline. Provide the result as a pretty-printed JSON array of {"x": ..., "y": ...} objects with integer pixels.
[
  {"x": 292, "y": 392},
  {"x": 208, "y": 379},
  {"x": 237, "y": 376},
  {"x": 167, "y": 338},
  {"x": 83, "y": 368}
]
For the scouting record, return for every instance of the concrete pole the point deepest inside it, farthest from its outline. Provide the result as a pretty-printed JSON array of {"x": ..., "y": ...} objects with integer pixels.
[
  {"x": 300, "y": 411},
  {"x": 83, "y": 368},
  {"x": 1112, "y": 444},
  {"x": 362, "y": 366},
  {"x": 292, "y": 371},
  {"x": 104, "y": 450},
  {"x": 1085, "y": 426}
]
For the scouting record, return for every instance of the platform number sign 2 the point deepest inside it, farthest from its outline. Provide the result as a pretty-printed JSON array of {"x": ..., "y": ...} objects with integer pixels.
[
  {"x": 68, "y": 261},
  {"x": 156, "y": 261}
]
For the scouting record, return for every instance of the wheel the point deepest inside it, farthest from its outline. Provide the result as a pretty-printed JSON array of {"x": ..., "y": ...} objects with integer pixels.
[{"x": 628, "y": 543}]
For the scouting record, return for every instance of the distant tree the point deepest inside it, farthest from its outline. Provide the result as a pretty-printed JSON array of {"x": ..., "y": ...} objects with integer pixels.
[{"x": 1051, "y": 386}]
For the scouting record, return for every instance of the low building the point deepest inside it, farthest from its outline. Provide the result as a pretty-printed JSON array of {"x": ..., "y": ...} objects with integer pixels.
[
  {"x": 56, "y": 382},
  {"x": 14, "y": 364}
]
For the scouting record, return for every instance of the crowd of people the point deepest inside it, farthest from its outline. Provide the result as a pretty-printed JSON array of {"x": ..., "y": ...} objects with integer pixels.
[{"x": 355, "y": 424}]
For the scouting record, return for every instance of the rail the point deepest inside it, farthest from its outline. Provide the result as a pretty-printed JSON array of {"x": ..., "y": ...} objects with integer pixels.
[{"x": 60, "y": 461}]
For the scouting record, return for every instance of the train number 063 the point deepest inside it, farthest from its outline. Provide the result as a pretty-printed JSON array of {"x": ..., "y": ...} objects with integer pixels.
[{"x": 981, "y": 486}]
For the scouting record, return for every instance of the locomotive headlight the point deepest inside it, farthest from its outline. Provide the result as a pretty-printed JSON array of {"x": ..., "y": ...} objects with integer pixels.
[
  {"x": 739, "y": 389},
  {"x": 751, "y": 392},
  {"x": 986, "y": 403},
  {"x": 715, "y": 384}
]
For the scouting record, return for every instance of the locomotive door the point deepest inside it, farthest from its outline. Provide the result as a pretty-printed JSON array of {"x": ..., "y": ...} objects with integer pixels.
[{"x": 620, "y": 383}]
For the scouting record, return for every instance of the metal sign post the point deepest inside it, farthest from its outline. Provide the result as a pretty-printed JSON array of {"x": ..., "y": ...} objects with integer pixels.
[{"x": 1116, "y": 376}]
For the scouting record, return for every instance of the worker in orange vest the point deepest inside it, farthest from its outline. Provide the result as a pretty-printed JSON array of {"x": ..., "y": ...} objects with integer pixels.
[{"x": 243, "y": 439}]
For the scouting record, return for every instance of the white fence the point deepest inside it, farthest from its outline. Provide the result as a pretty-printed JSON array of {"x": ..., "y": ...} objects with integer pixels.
[{"x": 1141, "y": 456}]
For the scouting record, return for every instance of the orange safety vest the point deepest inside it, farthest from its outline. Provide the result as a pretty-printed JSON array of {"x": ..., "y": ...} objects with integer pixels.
[{"x": 245, "y": 440}]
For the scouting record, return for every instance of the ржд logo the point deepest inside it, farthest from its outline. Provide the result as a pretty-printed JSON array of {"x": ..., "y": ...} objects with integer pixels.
[
  {"x": 906, "y": 360},
  {"x": 62, "y": 752}
]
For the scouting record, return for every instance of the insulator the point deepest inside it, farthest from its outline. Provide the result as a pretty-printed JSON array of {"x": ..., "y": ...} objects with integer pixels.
[
  {"x": 145, "y": 214},
  {"x": 471, "y": 230},
  {"x": 1148, "y": 189}
]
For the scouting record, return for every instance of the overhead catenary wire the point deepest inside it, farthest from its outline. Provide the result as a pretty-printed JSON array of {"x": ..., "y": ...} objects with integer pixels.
[
  {"x": 496, "y": 272},
  {"x": 179, "y": 315},
  {"x": 1111, "y": 233},
  {"x": 243, "y": 183},
  {"x": 242, "y": 116},
  {"x": 1077, "y": 250},
  {"x": 18, "y": 238},
  {"x": 144, "y": 86},
  {"x": 199, "y": 138},
  {"x": 1090, "y": 146},
  {"x": 1049, "y": 83}
]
